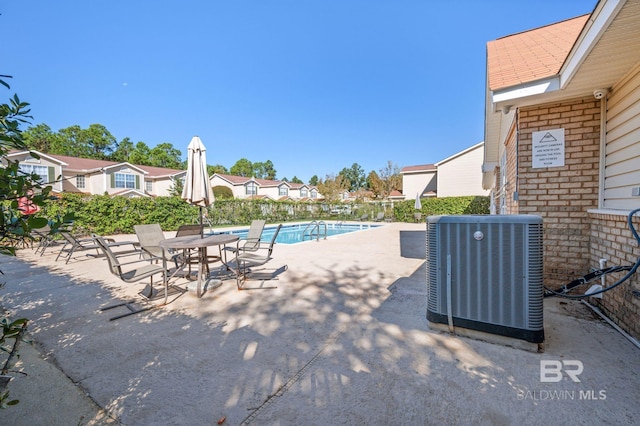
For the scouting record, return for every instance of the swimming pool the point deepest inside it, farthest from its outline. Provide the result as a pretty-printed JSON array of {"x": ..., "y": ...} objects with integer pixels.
[{"x": 292, "y": 234}]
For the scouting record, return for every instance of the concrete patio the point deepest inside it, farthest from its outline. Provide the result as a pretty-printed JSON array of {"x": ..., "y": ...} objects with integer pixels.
[{"x": 343, "y": 339}]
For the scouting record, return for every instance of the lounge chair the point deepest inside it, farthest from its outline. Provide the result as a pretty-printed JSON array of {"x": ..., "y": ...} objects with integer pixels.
[
  {"x": 44, "y": 237},
  {"x": 363, "y": 217},
  {"x": 73, "y": 244},
  {"x": 147, "y": 269},
  {"x": 380, "y": 217}
]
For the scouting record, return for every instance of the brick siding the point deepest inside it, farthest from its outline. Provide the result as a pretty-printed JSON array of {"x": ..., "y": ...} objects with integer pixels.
[
  {"x": 562, "y": 195},
  {"x": 574, "y": 240},
  {"x": 611, "y": 239}
]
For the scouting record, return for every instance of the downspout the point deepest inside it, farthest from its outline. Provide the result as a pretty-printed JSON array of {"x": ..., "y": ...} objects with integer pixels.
[
  {"x": 603, "y": 150},
  {"x": 104, "y": 179},
  {"x": 515, "y": 190}
]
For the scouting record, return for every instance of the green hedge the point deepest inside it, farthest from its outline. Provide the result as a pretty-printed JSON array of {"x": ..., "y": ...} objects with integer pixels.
[
  {"x": 404, "y": 211},
  {"x": 107, "y": 215}
]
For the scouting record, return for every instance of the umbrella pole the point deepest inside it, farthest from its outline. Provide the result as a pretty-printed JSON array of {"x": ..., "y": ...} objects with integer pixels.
[{"x": 201, "y": 224}]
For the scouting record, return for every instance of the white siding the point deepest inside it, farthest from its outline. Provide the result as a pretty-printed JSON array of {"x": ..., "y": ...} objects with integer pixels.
[
  {"x": 462, "y": 174},
  {"x": 418, "y": 183},
  {"x": 54, "y": 170},
  {"x": 161, "y": 187},
  {"x": 136, "y": 180},
  {"x": 622, "y": 149},
  {"x": 270, "y": 191}
]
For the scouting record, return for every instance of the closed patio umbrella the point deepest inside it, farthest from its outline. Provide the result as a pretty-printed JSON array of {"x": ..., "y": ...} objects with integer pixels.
[
  {"x": 418, "y": 205},
  {"x": 197, "y": 186}
]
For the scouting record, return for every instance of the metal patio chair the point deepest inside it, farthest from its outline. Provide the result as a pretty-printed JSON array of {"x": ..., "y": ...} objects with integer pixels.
[
  {"x": 254, "y": 237},
  {"x": 258, "y": 257},
  {"x": 73, "y": 244},
  {"x": 147, "y": 268},
  {"x": 149, "y": 237}
]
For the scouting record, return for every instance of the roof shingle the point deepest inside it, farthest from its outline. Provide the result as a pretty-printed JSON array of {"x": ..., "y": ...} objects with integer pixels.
[{"x": 531, "y": 55}]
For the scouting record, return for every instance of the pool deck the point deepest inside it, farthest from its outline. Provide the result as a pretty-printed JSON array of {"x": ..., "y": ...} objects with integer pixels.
[{"x": 343, "y": 339}]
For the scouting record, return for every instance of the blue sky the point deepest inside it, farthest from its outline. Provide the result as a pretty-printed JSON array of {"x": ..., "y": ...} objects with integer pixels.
[{"x": 314, "y": 86}]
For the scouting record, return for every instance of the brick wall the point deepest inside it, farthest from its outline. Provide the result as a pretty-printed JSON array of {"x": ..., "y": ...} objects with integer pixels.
[
  {"x": 562, "y": 195},
  {"x": 511, "y": 150},
  {"x": 611, "y": 239}
]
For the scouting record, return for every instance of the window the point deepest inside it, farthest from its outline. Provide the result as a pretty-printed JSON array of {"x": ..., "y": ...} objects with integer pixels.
[
  {"x": 123, "y": 180},
  {"x": 314, "y": 194},
  {"x": 80, "y": 183},
  {"x": 148, "y": 186},
  {"x": 41, "y": 171},
  {"x": 283, "y": 191},
  {"x": 304, "y": 192},
  {"x": 251, "y": 188}
]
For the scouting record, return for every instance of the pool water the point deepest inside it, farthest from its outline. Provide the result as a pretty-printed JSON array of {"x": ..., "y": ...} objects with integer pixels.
[{"x": 292, "y": 234}]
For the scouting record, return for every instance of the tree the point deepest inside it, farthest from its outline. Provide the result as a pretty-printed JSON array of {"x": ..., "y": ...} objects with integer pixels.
[
  {"x": 246, "y": 168},
  {"x": 332, "y": 187},
  {"x": 218, "y": 168},
  {"x": 99, "y": 141},
  {"x": 243, "y": 167},
  {"x": 375, "y": 184},
  {"x": 267, "y": 170},
  {"x": 41, "y": 138},
  {"x": 94, "y": 142},
  {"x": 165, "y": 155},
  {"x": 177, "y": 185},
  {"x": 295, "y": 179},
  {"x": 123, "y": 151},
  {"x": 16, "y": 188},
  {"x": 314, "y": 180},
  {"x": 388, "y": 180},
  {"x": 140, "y": 154},
  {"x": 355, "y": 175}
]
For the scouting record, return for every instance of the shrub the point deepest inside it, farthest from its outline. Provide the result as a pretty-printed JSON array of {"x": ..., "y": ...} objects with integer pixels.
[
  {"x": 222, "y": 193},
  {"x": 404, "y": 210}
]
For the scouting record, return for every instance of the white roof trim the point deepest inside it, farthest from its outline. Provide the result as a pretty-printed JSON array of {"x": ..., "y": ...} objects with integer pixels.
[
  {"x": 489, "y": 167},
  {"x": 605, "y": 12},
  {"x": 471, "y": 148},
  {"x": 169, "y": 175},
  {"x": 125, "y": 164},
  {"x": 132, "y": 191},
  {"x": 599, "y": 21},
  {"x": 533, "y": 88},
  {"x": 40, "y": 154},
  {"x": 227, "y": 180}
]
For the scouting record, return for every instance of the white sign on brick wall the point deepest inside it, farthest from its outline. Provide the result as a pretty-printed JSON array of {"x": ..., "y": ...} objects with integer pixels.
[{"x": 548, "y": 148}]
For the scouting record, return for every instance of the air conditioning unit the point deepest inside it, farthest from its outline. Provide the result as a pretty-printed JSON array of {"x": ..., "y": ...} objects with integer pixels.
[{"x": 484, "y": 273}]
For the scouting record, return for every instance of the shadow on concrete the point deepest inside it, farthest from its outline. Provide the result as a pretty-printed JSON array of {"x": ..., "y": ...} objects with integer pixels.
[
  {"x": 333, "y": 344},
  {"x": 413, "y": 244}
]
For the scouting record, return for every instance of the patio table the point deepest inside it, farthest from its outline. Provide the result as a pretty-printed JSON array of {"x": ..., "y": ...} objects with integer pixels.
[{"x": 202, "y": 243}]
